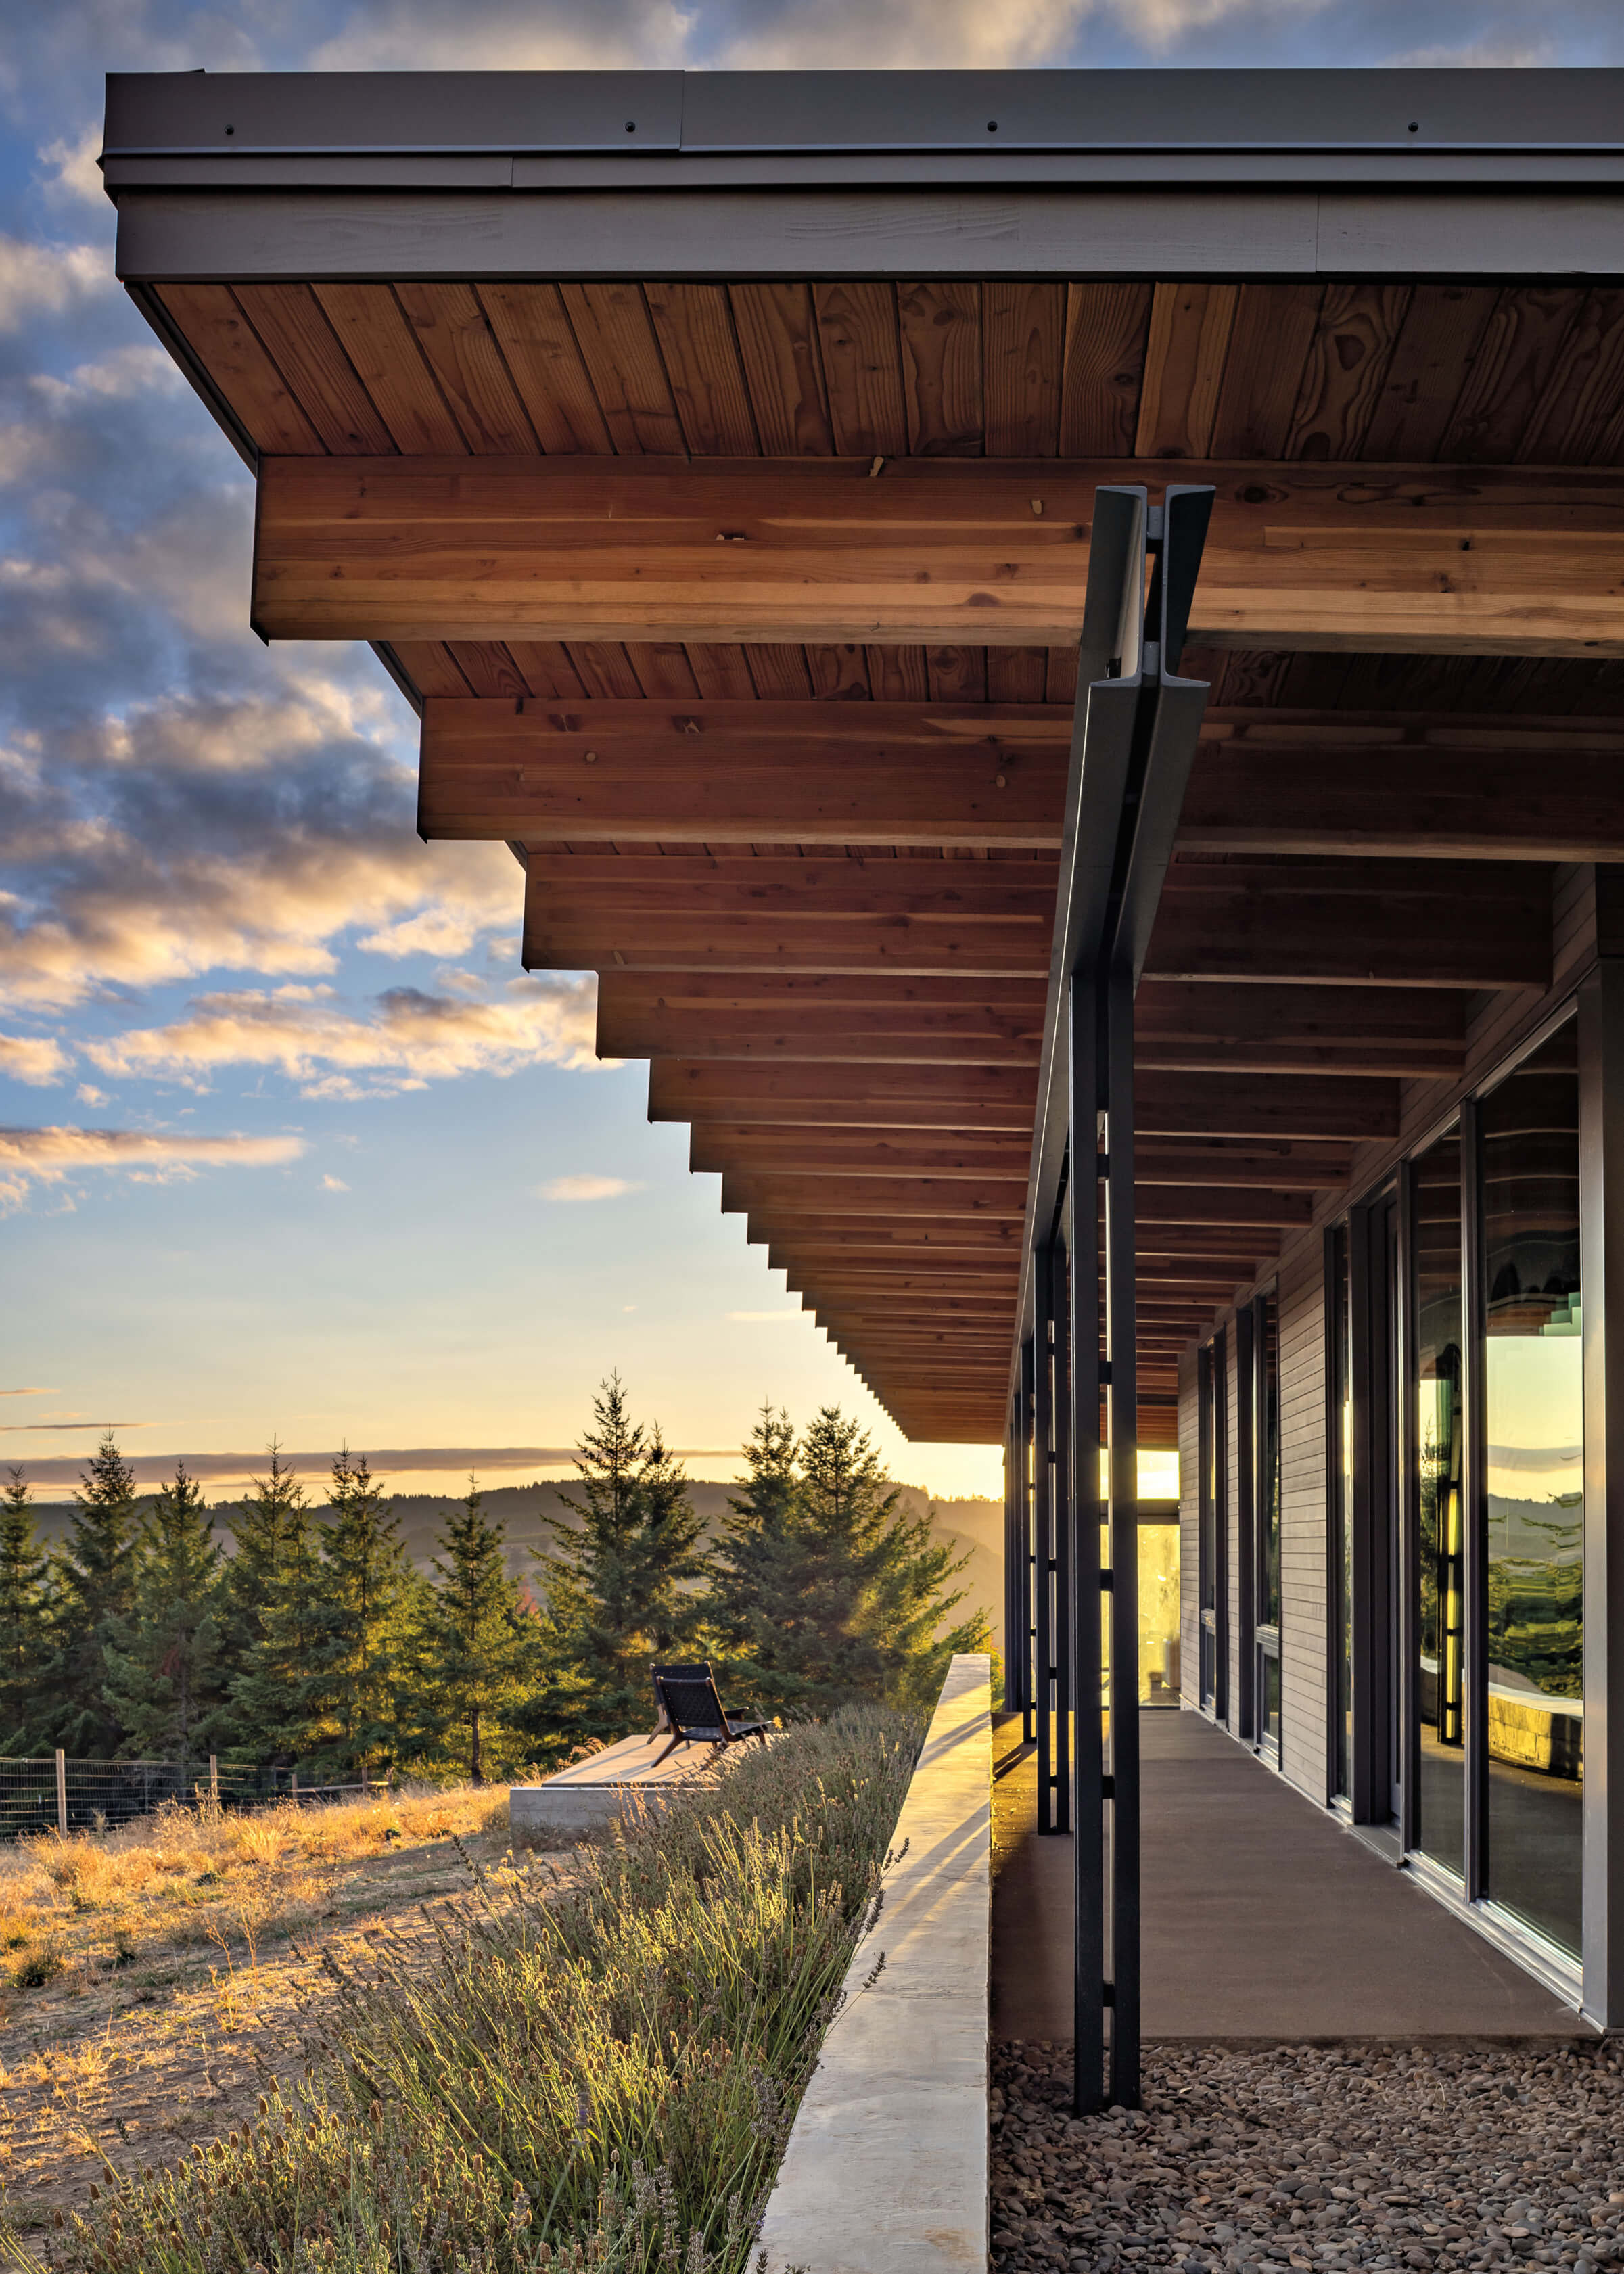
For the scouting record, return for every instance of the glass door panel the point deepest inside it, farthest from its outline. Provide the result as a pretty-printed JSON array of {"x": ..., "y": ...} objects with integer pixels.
[
  {"x": 1439, "y": 1444},
  {"x": 1215, "y": 1542},
  {"x": 1266, "y": 1343},
  {"x": 1340, "y": 1575},
  {"x": 1535, "y": 1429}
]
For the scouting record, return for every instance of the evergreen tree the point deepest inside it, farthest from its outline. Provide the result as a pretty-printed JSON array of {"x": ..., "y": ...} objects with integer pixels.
[
  {"x": 270, "y": 1520},
  {"x": 620, "y": 1590},
  {"x": 352, "y": 1709},
  {"x": 756, "y": 1570},
  {"x": 95, "y": 1586},
  {"x": 879, "y": 1597},
  {"x": 476, "y": 1642},
  {"x": 25, "y": 1615},
  {"x": 277, "y": 1698},
  {"x": 834, "y": 1593},
  {"x": 164, "y": 1679}
]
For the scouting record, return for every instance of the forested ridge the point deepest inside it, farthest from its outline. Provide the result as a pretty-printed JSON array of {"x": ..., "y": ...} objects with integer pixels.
[{"x": 313, "y": 1641}]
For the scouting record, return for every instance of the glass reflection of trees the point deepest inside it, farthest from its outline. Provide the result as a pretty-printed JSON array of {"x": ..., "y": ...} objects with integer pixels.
[
  {"x": 1534, "y": 1564},
  {"x": 1439, "y": 1444}
]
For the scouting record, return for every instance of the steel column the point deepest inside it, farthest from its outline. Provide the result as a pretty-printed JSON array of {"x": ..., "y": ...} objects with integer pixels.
[
  {"x": 1060, "y": 1535},
  {"x": 1086, "y": 1513},
  {"x": 1043, "y": 1539},
  {"x": 1133, "y": 745},
  {"x": 1122, "y": 1434}
]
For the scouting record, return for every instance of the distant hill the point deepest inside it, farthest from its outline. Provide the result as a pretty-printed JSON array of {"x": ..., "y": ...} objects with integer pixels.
[{"x": 972, "y": 1527}]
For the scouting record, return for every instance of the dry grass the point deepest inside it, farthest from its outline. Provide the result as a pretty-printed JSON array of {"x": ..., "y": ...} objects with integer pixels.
[{"x": 154, "y": 1979}]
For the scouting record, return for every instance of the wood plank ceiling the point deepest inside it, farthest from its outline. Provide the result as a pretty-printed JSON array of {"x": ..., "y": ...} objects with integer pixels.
[{"x": 816, "y": 877}]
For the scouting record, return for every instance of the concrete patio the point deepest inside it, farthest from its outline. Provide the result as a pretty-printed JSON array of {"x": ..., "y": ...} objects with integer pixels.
[{"x": 1264, "y": 1919}]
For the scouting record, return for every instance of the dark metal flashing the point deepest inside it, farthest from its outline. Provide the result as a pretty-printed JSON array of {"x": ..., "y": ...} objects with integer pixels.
[
  {"x": 715, "y": 175},
  {"x": 1408, "y": 116}
]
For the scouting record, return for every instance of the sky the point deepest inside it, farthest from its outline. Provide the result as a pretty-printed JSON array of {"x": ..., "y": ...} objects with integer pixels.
[{"x": 288, "y": 1145}]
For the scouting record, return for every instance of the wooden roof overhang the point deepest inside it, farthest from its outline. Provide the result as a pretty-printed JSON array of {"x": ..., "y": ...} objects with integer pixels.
[{"x": 712, "y": 461}]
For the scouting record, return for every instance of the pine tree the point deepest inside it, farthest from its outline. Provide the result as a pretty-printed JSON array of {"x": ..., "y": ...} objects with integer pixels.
[
  {"x": 25, "y": 1615},
  {"x": 911, "y": 1598},
  {"x": 756, "y": 1571},
  {"x": 353, "y": 1717},
  {"x": 476, "y": 1643},
  {"x": 95, "y": 1585},
  {"x": 620, "y": 1590},
  {"x": 277, "y": 1696},
  {"x": 164, "y": 1679},
  {"x": 271, "y": 1521},
  {"x": 839, "y": 1595},
  {"x": 880, "y": 1599}
]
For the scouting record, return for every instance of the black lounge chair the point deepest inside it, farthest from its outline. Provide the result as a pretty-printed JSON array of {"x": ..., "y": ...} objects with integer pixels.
[{"x": 691, "y": 1711}]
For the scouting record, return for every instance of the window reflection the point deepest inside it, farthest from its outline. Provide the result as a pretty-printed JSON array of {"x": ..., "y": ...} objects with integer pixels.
[
  {"x": 1534, "y": 1562},
  {"x": 1438, "y": 1445},
  {"x": 1267, "y": 1314},
  {"x": 1342, "y": 1519}
]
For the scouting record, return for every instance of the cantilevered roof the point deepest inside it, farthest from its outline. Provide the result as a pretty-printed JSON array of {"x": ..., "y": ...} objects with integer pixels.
[{"x": 712, "y": 460}]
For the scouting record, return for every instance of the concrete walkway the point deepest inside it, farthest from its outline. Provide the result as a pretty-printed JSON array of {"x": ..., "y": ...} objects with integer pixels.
[{"x": 1263, "y": 1918}]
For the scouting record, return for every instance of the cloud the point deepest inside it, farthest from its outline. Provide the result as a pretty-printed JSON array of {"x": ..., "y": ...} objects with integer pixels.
[
  {"x": 586, "y": 1188},
  {"x": 205, "y": 834},
  {"x": 50, "y": 1156},
  {"x": 510, "y": 34},
  {"x": 74, "y": 176},
  {"x": 33, "y": 1058},
  {"x": 30, "y": 1393},
  {"x": 1477, "y": 54},
  {"x": 43, "y": 280},
  {"x": 406, "y": 1038},
  {"x": 333, "y": 1185}
]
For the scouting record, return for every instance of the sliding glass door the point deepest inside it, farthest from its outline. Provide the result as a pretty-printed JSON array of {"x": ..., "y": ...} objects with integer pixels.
[
  {"x": 1213, "y": 1537},
  {"x": 1265, "y": 1503},
  {"x": 1495, "y": 1399},
  {"x": 1438, "y": 1448},
  {"x": 1533, "y": 1714}
]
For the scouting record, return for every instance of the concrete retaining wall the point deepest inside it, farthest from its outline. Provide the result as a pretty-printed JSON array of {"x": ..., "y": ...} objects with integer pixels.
[{"x": 885, "y": 2171}]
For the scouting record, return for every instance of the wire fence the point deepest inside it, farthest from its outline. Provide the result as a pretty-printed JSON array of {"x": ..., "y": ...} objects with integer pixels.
[{"x": 54, "y": 1793}]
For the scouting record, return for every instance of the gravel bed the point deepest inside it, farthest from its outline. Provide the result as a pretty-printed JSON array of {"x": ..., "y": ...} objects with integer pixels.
[{"x": 1315, "y": 2155}]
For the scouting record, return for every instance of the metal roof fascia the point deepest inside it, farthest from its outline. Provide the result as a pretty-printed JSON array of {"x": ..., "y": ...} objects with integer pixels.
[{"x": 1405, "y": 112}]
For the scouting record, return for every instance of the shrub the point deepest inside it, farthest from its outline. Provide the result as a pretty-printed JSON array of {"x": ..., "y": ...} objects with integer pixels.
[{"x": 596, "y": 2069}]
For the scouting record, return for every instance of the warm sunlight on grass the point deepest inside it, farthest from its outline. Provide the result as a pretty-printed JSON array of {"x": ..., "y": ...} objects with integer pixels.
[{"x": 185, "y": 1876}]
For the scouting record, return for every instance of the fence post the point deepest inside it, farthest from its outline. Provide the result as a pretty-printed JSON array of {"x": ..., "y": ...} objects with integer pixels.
[
  {"x": 214, "y": 1779},
  {"x": 296, "y": 1784},
  {"x": 62, "y": 1793}
]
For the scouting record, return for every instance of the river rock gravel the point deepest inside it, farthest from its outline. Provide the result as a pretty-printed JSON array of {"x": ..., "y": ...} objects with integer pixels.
[{"x": 1315, "y": 2156}]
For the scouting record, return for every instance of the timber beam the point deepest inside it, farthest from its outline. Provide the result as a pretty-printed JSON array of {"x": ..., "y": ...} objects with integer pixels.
[
  {"x": 840, "y": 915},
  {"x": 1441, "y": 560},
  {"x": 1415, "y": 1033},
  {"x": 722, "y": 1145},
  {"x": 946, "y": 1198},
  {"x": 1404, "y": 923},
  {"x": 971, "y": 1100},
  {"x": 781, "y": 1017},
  {"x": 1352, "y": 1108},
  {"x": 1425, "y": 787},
  {"x": 966, "y": 776}
]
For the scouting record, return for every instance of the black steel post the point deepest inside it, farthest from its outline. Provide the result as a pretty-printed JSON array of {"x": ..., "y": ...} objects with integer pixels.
[
  {"x": 1133, "y": 741},
  {"x": 1088, "y": 1763},
  {"x": 1043, "y": 1538},
  {"x": 1122, "y": 1432},
  {"x": 1060, "y": 1530},
  {"x": 1027, "y": 1558}
]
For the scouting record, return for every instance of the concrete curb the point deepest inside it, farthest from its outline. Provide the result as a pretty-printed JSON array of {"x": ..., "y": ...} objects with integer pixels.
[{"x": 885, "y": 2171}]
